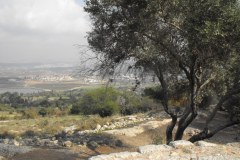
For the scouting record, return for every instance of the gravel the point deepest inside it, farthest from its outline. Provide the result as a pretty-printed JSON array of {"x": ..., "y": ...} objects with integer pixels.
[{"x": 11, "y": 150}]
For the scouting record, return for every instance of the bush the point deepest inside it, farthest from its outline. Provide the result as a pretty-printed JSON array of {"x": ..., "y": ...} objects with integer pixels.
[
  {"x": 102, "y": 101},
  {"x": 76, "y": 109},
  {"x": 107, "y": 102},
  {"x": 154, "y": 92},
  {"x": 130, "y": 103},
  {"x": 30, "y": 113},
  {"x": 42, "y": 112},
  {"x": 6, "y": 108},
  {"x": 54, "y": 111},
  {"x": 148, "y": 104}
]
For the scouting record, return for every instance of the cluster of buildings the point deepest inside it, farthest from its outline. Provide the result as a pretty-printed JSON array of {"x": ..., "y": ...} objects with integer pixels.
[{"x": 49, "y": 77}]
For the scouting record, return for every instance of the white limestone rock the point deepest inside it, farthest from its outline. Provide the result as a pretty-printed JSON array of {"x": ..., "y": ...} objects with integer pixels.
[
  {"x": 153, "y": 148},
  {"x": 180, "y": 143},
  {"x": 116, "y": 156},
  {"x": 205, "y": 144}
]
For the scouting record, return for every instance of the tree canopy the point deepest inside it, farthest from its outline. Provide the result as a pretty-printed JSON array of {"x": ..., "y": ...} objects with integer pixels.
[{"x": 183, "y": 42}]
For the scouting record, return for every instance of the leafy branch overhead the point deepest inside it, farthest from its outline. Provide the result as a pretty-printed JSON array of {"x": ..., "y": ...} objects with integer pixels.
[{"x": 183, "y": 42}]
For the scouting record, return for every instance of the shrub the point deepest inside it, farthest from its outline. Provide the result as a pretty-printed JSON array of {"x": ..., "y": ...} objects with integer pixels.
[
  {"x": 102, "y": 101},
  {"x": 54, "y": 111},
  {"x": 154, "y": 92},
  {"x": 76, "y": 109},
  {"x": 7, "y": 134},
  {"x": 130, "y": 103},
  {"x": 29, "y": 134},
  {"x": 6, "y": 108},
  {"x": 148, "y": 104},
  {"x": 30, "y": 113},
  {"x": 42, "y": 112}
]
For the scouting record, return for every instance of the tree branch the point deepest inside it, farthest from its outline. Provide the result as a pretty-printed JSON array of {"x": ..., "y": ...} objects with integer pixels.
[
  {"x": 220, "y": 103},
  {"x": 206, "y": 134}
]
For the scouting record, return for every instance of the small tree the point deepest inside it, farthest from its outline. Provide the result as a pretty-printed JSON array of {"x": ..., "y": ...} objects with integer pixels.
[
  {"x": 183, "y": 42},
  {"x": 102, "y": 101}
]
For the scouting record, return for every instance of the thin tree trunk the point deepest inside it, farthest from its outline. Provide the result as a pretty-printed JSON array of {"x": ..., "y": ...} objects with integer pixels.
[
  {"x": 191, "y": 112},
  {"x": 169, "y": 130},
  {"x": 181, "y": 129},
  {"x": 170, "y": 127},
  {"x": 219, "y": 105}
]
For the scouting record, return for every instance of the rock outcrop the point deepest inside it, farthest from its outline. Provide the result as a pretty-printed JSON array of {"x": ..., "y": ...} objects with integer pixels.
[{"x": 178, "y": 150}]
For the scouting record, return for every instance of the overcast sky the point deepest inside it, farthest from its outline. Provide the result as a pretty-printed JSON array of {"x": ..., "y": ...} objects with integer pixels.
[{"x": 42, "y": 30}]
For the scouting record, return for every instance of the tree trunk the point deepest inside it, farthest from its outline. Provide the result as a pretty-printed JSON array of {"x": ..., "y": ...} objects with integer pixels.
[
  {"x": 185, "y": 124},
  {"x": 169, "y": 130}
]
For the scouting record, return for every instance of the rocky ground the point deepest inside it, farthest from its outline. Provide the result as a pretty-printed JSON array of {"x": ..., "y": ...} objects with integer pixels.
[
  {"x": 125, "y": 134},
  {"x": 178, "y": 150}
]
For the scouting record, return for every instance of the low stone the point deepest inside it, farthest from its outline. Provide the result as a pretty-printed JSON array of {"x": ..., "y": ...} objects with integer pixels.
[
  {"x": 154, "y": 148},
  {"x": 55, "y": 142},
  {"x": 180, "y": 143},
  {"x": 53, "y": 138},
  {"x": 104, "y": 127},
  {"x": 205, "y": 144},
  {"x": 92, "y": 145},
  {"x": 45, "y": 142},
  {"x": 67, "y": 144},
  {"x": 98, "y": 127},
  {"x": 16, "y": 143},
  {"x": 112, "y": 126},
  {"x": 116, "y": 156},
  {"x": 6, "y": 141},
  {"x": 70, "y": 129}
]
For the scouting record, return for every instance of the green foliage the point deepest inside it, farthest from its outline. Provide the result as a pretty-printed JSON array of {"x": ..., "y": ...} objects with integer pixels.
[
  {"x": 108, "y": 101},
  {"x": 177, "y": 94},
  {"x": 102, "y": 101},
  {"x": 4, "y": 107},
  {"x": 154, "y": 92},
  {"x": 42, "y": 112},
  {"x": 75, "y": 109},
  {"x": 130, "y": 103}
]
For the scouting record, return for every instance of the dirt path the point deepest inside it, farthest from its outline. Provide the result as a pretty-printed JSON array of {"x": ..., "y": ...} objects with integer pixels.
[{"x": 142, "y": 134}]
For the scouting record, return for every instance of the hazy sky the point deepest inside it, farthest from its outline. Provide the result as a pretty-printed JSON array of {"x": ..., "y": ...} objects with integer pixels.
[{"x": 42, "y": 30}]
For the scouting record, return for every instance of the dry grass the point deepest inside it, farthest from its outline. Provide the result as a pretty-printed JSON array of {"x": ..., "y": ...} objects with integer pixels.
[
  {"x": 49, "y": 125},
  {"x": 9, "y": 115}
]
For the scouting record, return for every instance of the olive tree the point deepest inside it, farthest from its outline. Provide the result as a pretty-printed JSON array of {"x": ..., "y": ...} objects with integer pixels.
[{"x": 183, "y": 42}]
